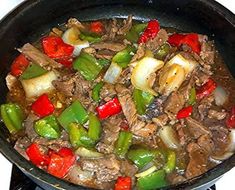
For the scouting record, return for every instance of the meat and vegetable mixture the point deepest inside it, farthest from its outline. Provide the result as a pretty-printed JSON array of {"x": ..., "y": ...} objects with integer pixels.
[{"x": 119, "y": 104}]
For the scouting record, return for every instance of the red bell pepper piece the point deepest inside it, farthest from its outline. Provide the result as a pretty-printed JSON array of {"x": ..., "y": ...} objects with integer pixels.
[
  {"x": 42, "y": 106},
  {"x": 55, "y": 47},
  {"x": 189, "y": 39},
  {"x": 36, "y": 156},
  {"x": 96, "y": 27},
  {"x": 61, "y": 162},
  {"x": 150, "y": 31},
  {"x": 185, "y": 112},
  {"x": 206, "y": 89},
  {"x": 19, "y": 65},
  {"x": 123, "y": 183},
  {"x": 110, "y": 108},
  {"x": 230, "y": 121},
  {"x": 67, "y": 62}
]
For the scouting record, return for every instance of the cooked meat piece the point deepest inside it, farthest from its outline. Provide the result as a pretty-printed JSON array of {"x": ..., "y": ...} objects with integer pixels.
[
  {"x": 186, "y": 87},
  {"x": 127, "y": 168},
  {"x": 160, "y": 39},
  {"x": 183, "y": 133},
  {"x": 125, "y": 77},
  {"x": 138, "y": 127},
  {"x": 196, "y": 128},
  {"x": 219, "y": 115},
  {"x": 175, "y": 178},
  {"x": 111, "y": 128},
  {"x": 21, "y": 145},
  {"x": 207, "y": 51},
  {"x": 198, "y": 160},
  {"x": 202, "y": 109},
  {"x": 28, "y": 124},
  {"x": 56, "y": 32},
  {"x": 206, "y": 142},
  {"x": 201, "y": 78},
  {"x": 161, "y": 120},
  {"x": 151, "y": 141},
  {"x": 105, "y": 54},
  {"x": 74, "y": 22},
  {"x": 38, "y": 57},
  {"x": 107, "y": 92},
  {"x": 111, "y": 30},
  {"x": 155, "y": 108},
  {"x": 174, "y": 103},
  {"x": 127, "y": 24},
  {"x": 11, "y": 82},
  {"x": 139, "y": 53},
  {"x": 106, "y": 169},
  {"x": 109, "y": 45}
]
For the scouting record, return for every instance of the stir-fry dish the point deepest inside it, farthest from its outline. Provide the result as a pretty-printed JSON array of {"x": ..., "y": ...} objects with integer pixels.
[{"x": 120, "y": 104}]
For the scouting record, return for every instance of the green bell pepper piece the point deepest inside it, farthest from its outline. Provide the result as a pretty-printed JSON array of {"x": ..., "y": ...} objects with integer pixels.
[
  {"x": 96, "y": 91},
  {"x": 124, "y": 57},
  {"x": 32, "y": 71},
  {"x": 94, "y": 127},
  {"x": 78, "y": 136},
  {"x": 192, "y": 96},
  {"x": 12, "y": 117},
  {"x": 152, "y": 181},
  {"x": 87, "y": 65},
  {"x": 48, "y": 127},
  {"x": 103, "y": 62},
  {"x": 171, "y": 162},
  {"x": 123, "y": 143},
  {"x": 141, "y": 156},
  {"x": 90, "y": 37},
  {"x": 142, "y": 100},
  {"x": 135, "y": 31},
  {"x": 75, "y": 113},
  {"x": 163, "y": 51}
]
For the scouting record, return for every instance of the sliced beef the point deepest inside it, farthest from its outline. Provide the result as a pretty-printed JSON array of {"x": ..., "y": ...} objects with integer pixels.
[
  {"x": 107, "y": 92},
  {"x": 128, "y": 169},
  {"x": 206, "y": 143},
  {"x": 219, "y": 115},
  {"x": 139, "y": 53},
  {"x": 73, "y": 22},
  {"x": 106, "y": 169},
  {"x": 160, "y": 39},
  {"x": 38, "y": 57},
  {"x": 125, "y": 77},
  {"x": 21, "y": 145},
  {"x": 28, "y": 124},
  {"x": 127, "y": 24},
  {"x": 111, "y": 30},
  {"x": 183, "y": 133},
  {"x": 109, "y": 45},
  {"x": 175, "y": 178},
  {"x": 201, "y": 78},
  {"x": 198, "y": 160},
  {"x": 105, "y": 54},
  {"x": 207, "y": 50},
  {"x": 196, "y": 128},
  {"x": 161, "y": 120},
  {"x": 56, "y": 32}
]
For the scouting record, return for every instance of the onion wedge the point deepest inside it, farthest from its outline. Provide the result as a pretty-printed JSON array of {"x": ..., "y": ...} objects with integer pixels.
[
  {"x": 141, "y": 74},
  {"x": 112, "y": 74},
  {"x": 169, "y": 137}
]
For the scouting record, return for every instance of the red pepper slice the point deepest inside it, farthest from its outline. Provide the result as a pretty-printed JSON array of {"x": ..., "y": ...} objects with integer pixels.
[
  {"x": 96, "y": 27},
  {"x": 189, "y": 39},
  {"x": 67, "y": 62},
  {"x": 230, "y": 121},
  {"x": 123, "y": 183},
  {"x": 60, "y": 163},
  {"x": 36, "y": 156},
  {"x": 206, "y": 89},
  {"x": 185, "y": 112},
  {"x": 150, "y": 32},
  {"x": 19, "y": 65},
  {"x": 55, "y": 47},
  {"x": 42, "y": 106},
  {"x": 110, "y": 108}
]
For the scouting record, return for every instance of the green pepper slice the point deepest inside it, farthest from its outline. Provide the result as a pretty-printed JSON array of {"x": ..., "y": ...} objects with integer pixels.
[
  {"x": 96, "y": 91},
  {"x": 94, "y": 127},
  {"x": 162, "y": 51},
  {"x": 48, "y": 127},
  {"x": 192, "y": 96},
  {"x": 135, "y": 31},
  {"x": 32, "y": 71},
  {"x": 90, "y": 37},
  {"x": 171, "y": 162},
  {"x": 12, "y": 117}
]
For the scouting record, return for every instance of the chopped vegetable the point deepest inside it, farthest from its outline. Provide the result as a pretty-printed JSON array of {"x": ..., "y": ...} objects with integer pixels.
[
  {"x": 32, "y": 71},
  {"x": 108, "y": 109},
  {"x": 230, "y": 121},
  {"x": 171, "y": 161},
  {"x": 162, "y": 51},
  {"x": 184, "y": 112},
  {"x": 192, "y": 96},
  {"x": 12, "y": 117},
  {"x": 43, "y": 106},
  {"x": 146, "y": 172},
  {"x": 74, "y": 113},
  {"x": 124, "y": 57},
  {"x": 123, "y": 183},
  {"x": 103, "y": 62},
  {"x": 206, "y": 89},
  {"x": 96, "y": 91},
  {"x": 140, "y": 77},
  {"x": 55, "y": 47},
  {"x": 96, "y": 27},
  {"x": 135, "y": 31},
  {"x": 150, "y": 31},
  {"x": 94, "y": 127},
  {"x": 47, "y": 127},
  {"x": 87, "y": 65},
  {"x": 36, "y": 156},
  {"x": 90, "y": 37},
  {"x": 152, "y": 181},
  {"x": 169, "y": 137},
  {"x": 67, "y": 62},
  {"x": 19, "y": 65},
  {"x": 88, "y": 153},
  {"x": 142, "y": 100},
  {"x": 39, "y": 85},
  {"x": 112, "y": 74},
  {"x": 189, "y": 39},
  {"x": 123, "y": 143},
  {"x": 221, "y": 96}
]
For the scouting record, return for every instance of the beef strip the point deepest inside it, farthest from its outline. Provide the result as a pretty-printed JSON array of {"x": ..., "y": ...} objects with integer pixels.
[
  {"x": 107, "y": 92},
  {"x": 137, "y": 126},
  {"x": 73, "y": 22},
  {"x": 139, "y": 53},
  {"x": 105, "y": 54},
  {"x": 106, "y": 169},
  {"x": 125, "y": 77},
  {"x": 183, "y": 133},
  {"x": 38, "y": 57},
  {"x": 207, "y": 50},
  {"x": 196, "y": 128},
  {"x": 111, "y": 30},
  {"x": 127, "y": 24},
  {"x": 161, "y": 120},
  {"x": 56, "y": 32},
  {"x": 219, "y": 115},
  {"x": 109, "y": 45},
  {"x": 28, "y": 124},
  {"x": 160, "y": 39},
  {"x": 21, "y": 145},
  {"x": 206, "y": 143}
]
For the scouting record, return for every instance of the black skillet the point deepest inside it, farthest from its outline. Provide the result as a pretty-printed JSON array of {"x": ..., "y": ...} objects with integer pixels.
[{"x": 34, "y": 17}]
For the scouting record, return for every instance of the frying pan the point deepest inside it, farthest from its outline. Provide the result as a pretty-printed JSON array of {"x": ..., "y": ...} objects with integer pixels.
[{"x": 34, "y": 17}]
